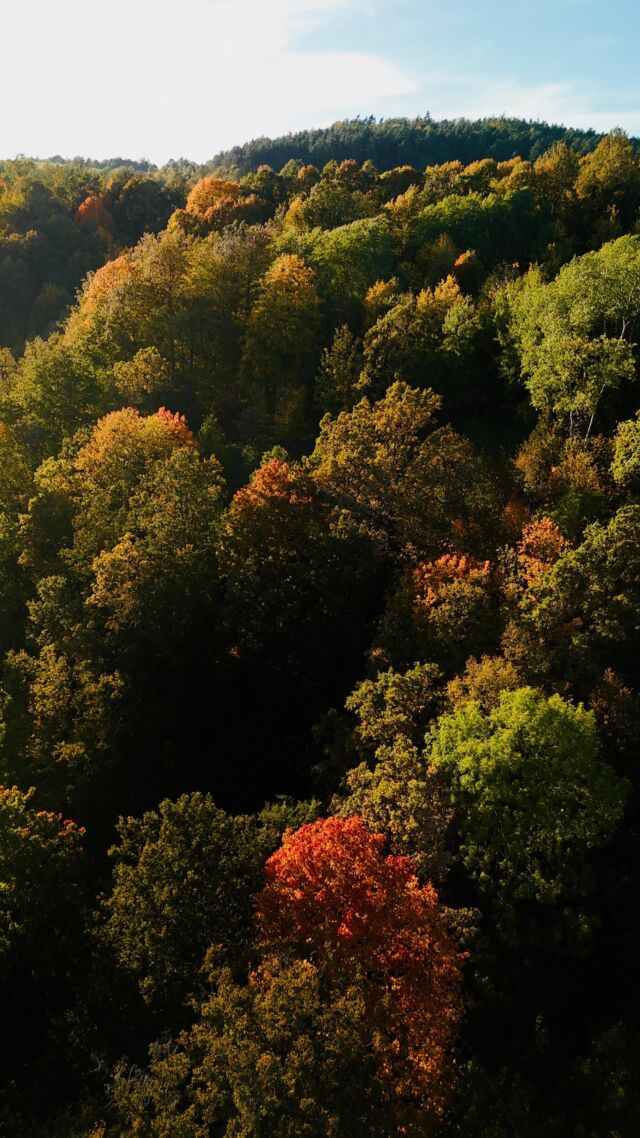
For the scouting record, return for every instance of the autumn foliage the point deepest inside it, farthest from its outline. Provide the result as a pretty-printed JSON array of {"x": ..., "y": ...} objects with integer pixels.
[
  {"x": 93, "y": 212},
  {"x": 331, "y": 891},
  {"x": 209, "y": 193},
  {"x": 273, "y": 483},
  {"x": 431, "y": 577},
  {"x": 121, "y": 431},
  {"x": 540, "y": 546},
  {"x": 320, "y": 497},
  {"x": 105, "y": 280}
]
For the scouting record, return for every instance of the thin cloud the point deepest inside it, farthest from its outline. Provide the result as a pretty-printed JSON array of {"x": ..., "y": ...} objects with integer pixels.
[
  {"x": 187, "y": 81},
  {"x": 149, "y": 77},
  {"x": 563, "y": 103}
]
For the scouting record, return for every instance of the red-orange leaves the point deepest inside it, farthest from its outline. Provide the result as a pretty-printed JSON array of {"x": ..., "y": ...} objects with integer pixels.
[
  {"x": 273, "y": 482},
  {"x": 541, "y": 545},
  {"x": 94, "y": 213},
  {"x": 106, "y": 281},
  {"x": 430, "y": 578},
  {"x": 175, "y": 425},
  {"x": 331, "y": 891},
  {"x": 514, "y": 518},
  {"x": 328, "y": 884}
]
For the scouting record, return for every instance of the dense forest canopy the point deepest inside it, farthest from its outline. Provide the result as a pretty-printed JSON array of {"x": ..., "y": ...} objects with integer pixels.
[
  {"x": 416, "y": 142},
  {"x": 320, "y": 600}
]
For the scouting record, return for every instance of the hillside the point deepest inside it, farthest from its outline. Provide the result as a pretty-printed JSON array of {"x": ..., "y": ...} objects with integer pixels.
[{"x": 319, "y": 611}]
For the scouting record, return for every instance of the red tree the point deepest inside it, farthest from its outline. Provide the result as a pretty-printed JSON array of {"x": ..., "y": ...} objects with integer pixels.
[
  {"x": 331, "y": 891},
  {"x": 274, "y": 482},
  {"x": 93, "y": 212}
]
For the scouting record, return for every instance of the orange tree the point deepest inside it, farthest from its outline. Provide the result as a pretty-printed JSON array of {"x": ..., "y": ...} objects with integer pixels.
[{"x": 332, "y": 893}]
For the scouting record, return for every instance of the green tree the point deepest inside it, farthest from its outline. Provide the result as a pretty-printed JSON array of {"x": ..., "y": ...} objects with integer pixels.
[
  {"x": 43, "y": 952},
  {"x": 184, "y": 877},
  {"x": 338, "y": 382},
  {"x": 283, "y": 1055},
  {"x": 575, "y": 335},
  {"x": 626, "y": 454},
  {"x": 280, "y": 351},
  {"x": 382, "y": 461},
  {"x": 582, "y": 616},
  {"x": 609, "y": 182},
  {"x": 530, "y": 794}
]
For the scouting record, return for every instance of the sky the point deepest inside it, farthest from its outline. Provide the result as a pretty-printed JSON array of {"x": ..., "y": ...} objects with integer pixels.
[{"x": 164, "y": 79}]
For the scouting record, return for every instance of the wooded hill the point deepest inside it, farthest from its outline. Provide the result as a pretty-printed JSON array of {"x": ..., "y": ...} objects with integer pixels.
[{"x": 319, "y": 682}]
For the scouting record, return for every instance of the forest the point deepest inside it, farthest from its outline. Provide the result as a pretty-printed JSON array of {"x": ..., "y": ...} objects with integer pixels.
[{"x": 319, "y": 668}]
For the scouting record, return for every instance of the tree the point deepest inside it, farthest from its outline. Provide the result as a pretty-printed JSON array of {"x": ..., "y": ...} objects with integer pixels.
[
  {"x": 347, "y": 260},
  {"x": 281, "y": 1055},
  {"x": 139, "y": 300},
  {"x": 609, "y": 181},
  {"x": 140, "y": 205},
  {"x": 399, "y": 796},
  {"x": 184, "y": 877},
  {"x": 395, "y": 704},
  {"x": 53, "y": 392},
  {"x": 338, "y": 382},
  {"x": 498, "y": 228},
  {"x": 64, "y": 715},
  {"x": 440, "y": 611},
  {"x": 483, "y": 682},
  {"x": 382, "y": 461},
  {"x": 222, "y": 285},
  {"x": 572, "y": 374},
  {"x": 160, "y": 570},
  {"x": 16, "y": 486},
  {"x": 581, "y": 617},
  {"x": 109, "y": 468},
  {"x": 540, "y": 546},
  {"x": 43, "y": 909},
  {"x": 330, "y": 891},
  {"x": 531, "y": 797},
  {"x": 119, "y": 542},
  {"x": 432, "y": 339},
  {"x": 141, "y": 379},
  {"x": 280, "y": 350},
  {"x": 93, "y": 212},
  {"x": 575, "y": 335},
  {"x": 556, "y": 172},
  {"x": 331, "y": 202},
  {"x": 41, "y": 868},
  {"x": 298, "y": 589},
  {"x": 626, "y": 455}
]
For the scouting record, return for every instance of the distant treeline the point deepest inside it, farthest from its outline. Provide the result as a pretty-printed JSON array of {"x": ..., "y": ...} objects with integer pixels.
[
  {"x": 386, "y": 143},
  {"x": 414, "y": 142}
]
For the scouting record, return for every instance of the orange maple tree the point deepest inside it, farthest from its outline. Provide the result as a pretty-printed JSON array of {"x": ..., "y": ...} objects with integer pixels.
[
  {"x": 429, "y": 578},
  {"x": 539, "y": 548},
  {"x": 93, "y": 212},
  {"x": 274, "y": 481},
  {"x": 117, "y": 437},
  {"x": 105, "y": 281},
  {"x": 331, "y": 891},
  {"x": 209, "y": 193}
]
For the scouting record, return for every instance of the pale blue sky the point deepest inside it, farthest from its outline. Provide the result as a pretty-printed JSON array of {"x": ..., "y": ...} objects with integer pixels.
[{"x": 166, "y": 78}]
